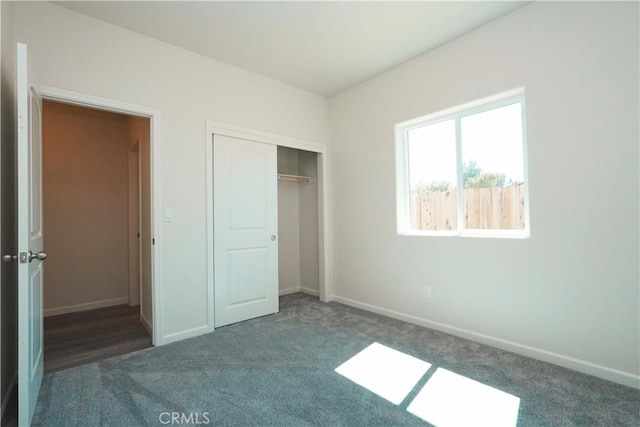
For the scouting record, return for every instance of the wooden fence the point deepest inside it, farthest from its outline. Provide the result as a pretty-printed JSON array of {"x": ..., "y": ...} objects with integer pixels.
[{"x": 484, "y": 208}]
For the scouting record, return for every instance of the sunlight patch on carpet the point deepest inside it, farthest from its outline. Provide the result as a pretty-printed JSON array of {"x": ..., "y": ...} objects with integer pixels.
[
  {"x": 449, "y": 399},
  {"x": 384, "y": 371}
]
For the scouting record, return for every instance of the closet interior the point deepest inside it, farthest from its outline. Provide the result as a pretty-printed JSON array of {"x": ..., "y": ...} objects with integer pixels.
[{"x": 298, "y": 256}]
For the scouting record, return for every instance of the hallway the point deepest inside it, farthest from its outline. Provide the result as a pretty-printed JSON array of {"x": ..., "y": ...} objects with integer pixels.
[{"x": 87, "y": 336}]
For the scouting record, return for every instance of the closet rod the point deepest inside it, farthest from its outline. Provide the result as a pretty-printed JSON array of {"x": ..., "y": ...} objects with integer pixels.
[{"x": 294, "y": 178}]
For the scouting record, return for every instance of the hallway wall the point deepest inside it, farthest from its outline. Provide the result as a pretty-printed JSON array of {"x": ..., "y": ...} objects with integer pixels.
[
  {"x": 139, "y": 132},
  {"x": 85, "y": 183}
]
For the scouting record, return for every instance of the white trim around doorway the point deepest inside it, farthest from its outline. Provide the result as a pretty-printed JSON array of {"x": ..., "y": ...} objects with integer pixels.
[
  {"x": 84, "y": 100},
  {"x": 218, "y": 128}
]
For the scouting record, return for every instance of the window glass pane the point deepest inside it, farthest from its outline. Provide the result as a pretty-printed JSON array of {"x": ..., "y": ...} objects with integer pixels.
[
  {"x": 433, "y": 176},
  {"x": 493, "y": 169}
]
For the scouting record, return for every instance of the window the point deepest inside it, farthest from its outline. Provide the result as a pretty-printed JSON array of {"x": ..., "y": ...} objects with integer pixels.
[{"x": 463, "y": 171}]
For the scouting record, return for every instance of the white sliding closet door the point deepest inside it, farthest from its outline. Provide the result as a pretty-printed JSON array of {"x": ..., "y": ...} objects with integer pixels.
[{"x": 245, "y": 229}]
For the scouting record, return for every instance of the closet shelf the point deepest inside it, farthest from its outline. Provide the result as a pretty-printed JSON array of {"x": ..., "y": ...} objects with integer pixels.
[{"x": 294, "y": 178}]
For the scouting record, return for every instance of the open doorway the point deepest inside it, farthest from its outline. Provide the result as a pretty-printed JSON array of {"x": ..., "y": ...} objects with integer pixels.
[{"x": 97, "y": 216}]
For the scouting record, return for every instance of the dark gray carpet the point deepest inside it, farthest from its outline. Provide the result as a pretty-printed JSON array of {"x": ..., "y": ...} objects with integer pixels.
[{"x": 279, "y": 370}]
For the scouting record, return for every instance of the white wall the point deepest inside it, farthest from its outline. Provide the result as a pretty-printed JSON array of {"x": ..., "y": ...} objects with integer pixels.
[
  {"x": 569, "y": 294},
  {"x": 77, "y": 53},
  {"x": 308, "y": 222},
  {"x": 85, "y": 208},
  {"x": 133, "y": 214},
  {"x": 288, "y": 223}
]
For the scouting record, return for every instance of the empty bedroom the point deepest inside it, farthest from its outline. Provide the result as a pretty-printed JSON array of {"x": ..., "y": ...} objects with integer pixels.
[{"x": 321, "y": 213}]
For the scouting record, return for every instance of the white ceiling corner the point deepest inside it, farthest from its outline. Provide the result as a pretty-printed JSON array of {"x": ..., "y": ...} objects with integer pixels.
[{"x": 320, "y": 46}]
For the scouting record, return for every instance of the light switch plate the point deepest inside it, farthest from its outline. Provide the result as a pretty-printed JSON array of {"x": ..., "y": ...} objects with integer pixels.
[{"x": 168, "y": 215}]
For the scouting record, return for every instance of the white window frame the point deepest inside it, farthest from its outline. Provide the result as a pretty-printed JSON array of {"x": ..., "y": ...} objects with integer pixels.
[{"x": 403, "y": 195}]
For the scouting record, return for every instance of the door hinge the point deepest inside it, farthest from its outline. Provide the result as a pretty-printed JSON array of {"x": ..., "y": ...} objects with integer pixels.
[{"x": 153, "y": 241}]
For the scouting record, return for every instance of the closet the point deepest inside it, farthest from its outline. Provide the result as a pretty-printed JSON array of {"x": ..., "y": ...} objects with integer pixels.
[
  {"x": 267, "y": 236},
  {"x": 298, "y": 269}
]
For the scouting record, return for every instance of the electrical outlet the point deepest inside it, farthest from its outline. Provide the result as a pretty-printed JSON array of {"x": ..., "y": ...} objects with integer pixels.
[{"x": 427, "y": 292}]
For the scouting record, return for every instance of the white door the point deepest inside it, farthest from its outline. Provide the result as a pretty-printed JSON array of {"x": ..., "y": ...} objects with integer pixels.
[
  {"x": 245, "y": 228},
  {"x": 30, "y": 253}
]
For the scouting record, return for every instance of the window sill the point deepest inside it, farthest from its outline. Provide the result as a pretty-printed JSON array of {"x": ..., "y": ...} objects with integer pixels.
[{"x": 492, "y": 234}]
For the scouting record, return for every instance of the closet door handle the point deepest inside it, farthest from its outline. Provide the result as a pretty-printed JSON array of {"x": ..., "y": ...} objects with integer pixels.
[{"x": 273, "y": 237}]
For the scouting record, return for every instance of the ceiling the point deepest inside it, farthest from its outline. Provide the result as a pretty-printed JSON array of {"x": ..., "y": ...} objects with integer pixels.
[{"x": 323, "y": 46}]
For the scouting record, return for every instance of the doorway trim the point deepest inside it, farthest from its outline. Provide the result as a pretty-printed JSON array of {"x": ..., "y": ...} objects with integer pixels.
[
  {"x": 84, "y": 100},
  {"x": 324, "y": 261}
]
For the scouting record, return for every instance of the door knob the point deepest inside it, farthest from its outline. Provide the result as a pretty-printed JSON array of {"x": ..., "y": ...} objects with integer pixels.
[
  {"x": 40, "y": 256},
  {"x": 9, "y": 258}
]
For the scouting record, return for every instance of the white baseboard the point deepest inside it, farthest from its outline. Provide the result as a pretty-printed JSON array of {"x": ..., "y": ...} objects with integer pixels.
[
  {"x": 299, "y": 289},
  {"x": 313, "y": 292},
  {"x": 288, "y": 291},
  {"x": 146, "y": 324},
  {"x": 610, "y": 374},
  {"x": 10, "y": 390},
  {"x": 86, "y": 306}
]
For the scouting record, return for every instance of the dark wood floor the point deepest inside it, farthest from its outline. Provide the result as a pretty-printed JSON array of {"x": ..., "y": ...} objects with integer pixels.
[{"x": 88, "y": 336}]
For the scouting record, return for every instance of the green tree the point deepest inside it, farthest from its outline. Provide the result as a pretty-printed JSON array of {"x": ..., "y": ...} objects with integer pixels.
[
  {"x": 470, "y": 170},
  {"x": 486, "y": 180},
  {"x": 433, "y": 187},
  {"x": 474, "y": 177}
]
